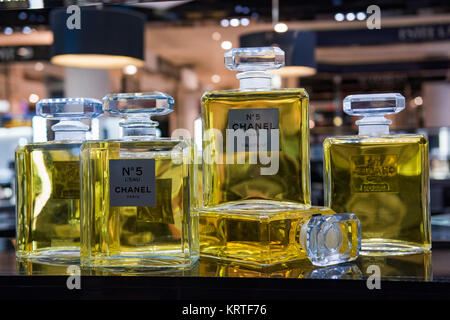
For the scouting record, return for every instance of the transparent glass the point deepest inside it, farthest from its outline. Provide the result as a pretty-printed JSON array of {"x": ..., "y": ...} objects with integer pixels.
[
  {"x": 254, "y": 58},
  {"x": 48, "y": 184},
  {"x": 374, "y": 104},
  {"x": 333, "y": 239},
  {"x": 255, "y": 150},
  {"x": 253, "y": 237},
  {"x": 285, "y": 180},
  {"x": 136, "y": 194},
  {"x": 384, "y": 181}
]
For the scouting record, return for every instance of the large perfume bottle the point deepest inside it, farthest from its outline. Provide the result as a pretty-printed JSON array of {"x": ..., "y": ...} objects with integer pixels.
[
  {"x": 255, "y": 138},
  {"x": 135, "y": 194},
  {"x": 255, "y": 163},
  {"x": 381, "y": 177},
  {"x": 280, "y": 236},
  {"x": 48, "y": 184}
]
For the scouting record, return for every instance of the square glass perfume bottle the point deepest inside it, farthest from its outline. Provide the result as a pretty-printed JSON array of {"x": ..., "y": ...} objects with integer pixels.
[
  {"x": 264, "y": 240},
  {"x": 255, "y": 138},
  {"x": 255, "y": 162},
  {"x": 48, "y": 184},
  {"x": 381, "y": 177},
  {"x": 136, "y": 192}
]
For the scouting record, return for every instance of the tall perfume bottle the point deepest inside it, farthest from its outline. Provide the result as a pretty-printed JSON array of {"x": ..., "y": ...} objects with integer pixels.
[
  {"x": 255, "y": 138},
  {"x": 135, "y": 194},
  {"x": 48, "y": 184},
  {"x": 255, "y": 163},
  {"x": 381, "y": 177}
]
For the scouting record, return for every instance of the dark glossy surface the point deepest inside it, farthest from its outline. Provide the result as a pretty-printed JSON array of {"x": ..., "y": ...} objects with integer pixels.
[{"x": 433, "y": 266}]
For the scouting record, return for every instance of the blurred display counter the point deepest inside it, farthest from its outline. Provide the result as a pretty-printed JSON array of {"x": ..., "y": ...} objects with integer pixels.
[{"x": 402, "y": 277}]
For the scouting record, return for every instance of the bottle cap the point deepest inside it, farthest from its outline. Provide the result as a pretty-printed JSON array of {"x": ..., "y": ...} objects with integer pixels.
[
  {"x": 377, "y": 104},
  {"x": 69, "y": 108},
  {"x": 373, "y": 108},
  {"x": 127, "y": 104},
  {"x": 254, "y": 58},
  {"x": 331, "y": 239}
]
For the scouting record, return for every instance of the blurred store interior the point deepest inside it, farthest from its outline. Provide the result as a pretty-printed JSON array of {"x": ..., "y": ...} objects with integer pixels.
[{"x": 333, "y": 49}]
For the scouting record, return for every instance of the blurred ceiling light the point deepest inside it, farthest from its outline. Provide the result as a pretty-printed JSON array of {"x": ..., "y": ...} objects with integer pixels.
[
  {"x": 337, "y": 121},
  {"x": 216, "y": 78},
  {"x": 418, "y": 101},
  {"x": 159, "y": 5},
  {"x": 339, "y": 17},
  {"x": 38, "y": 66},
  {"x": 226, "y": 45},
  {"x": 245, "y": 22},
  {"x": 361, "y": 16},
  {"x": 22, "y": 15},
  {"x": 350, "y": 16},
  {"x": 224, "y": 23},
  {"x": 26, "y": 30},
  {"x": 89, "y": 48},
  {"x": 130, "y": 69},
  {"x": 4, "y": 106},
  {"x": 216, "y": 36},
  {"x": 25, "y": 52},
  {"x": 33, "y": 98},
  {"x": 280, "y": 27},
  {"x": 234, "y": 22},
  {"x": 8, "y": 31}
]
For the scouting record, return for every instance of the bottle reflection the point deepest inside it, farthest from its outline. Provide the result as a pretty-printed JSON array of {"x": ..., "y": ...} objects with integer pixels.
[{"x": 402, "y": 267}]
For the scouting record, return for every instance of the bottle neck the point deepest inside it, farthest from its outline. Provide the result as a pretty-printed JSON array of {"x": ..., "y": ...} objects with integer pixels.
[
  {"x": 255, "y": 80},
  {"x": 70, "y": 130},
  {"x": 139, "y": 126},
  {"x": 373, "y": 126}
]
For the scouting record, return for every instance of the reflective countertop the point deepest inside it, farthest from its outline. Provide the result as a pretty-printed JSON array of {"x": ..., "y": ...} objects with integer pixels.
[{"x": 431, "y": 266}]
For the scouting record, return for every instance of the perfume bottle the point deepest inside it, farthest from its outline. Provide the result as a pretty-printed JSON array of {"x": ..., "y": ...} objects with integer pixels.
[
  {"x": 381, "y": 177},
  {"x": 136, "y": 192},
  {"x": 48, "y": 184},
  {"x": 280, "y": 236},
  {"x": 256, "y": 139}
]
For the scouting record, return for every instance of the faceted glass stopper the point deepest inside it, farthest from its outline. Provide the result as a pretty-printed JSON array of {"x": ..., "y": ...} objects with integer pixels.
[
  {"x": 69, "y": 108},
  {"x": 374, "y": 104},
  {"x": 127, "y": 104},
  {"x": 254, "y": 59},
  {"x": 331, "y": 239}
]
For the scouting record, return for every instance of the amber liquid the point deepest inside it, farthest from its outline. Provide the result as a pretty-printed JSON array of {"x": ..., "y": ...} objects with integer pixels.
[
  {"x": 48, "y": 201},
  {"x": 226, "y": 183},
  {"x": 254, "y": 237},
  {"x": 384, "y": 181},
  {"x": 164, "y": 235}
]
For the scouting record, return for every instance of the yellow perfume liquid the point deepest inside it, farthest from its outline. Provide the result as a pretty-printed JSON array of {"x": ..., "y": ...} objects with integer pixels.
[
  {"x": 254, "y": 237},
  {"x": 384, "y": 181},
  {"x": 227, "y": 183},
  {"x": 160, "y": 235},
  {"x": 48, "y": 201},
  {"x": 381, "y": 177}
]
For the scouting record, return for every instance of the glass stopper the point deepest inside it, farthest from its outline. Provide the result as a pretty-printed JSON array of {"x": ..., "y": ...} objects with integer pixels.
[
  {"x": 331, "y": 239},
  {"x": 129, "y": 104},
  {"x": 254, "y": 59},
  {"x": 69, "y": 108},
  {"x": 374, "y": 104}
]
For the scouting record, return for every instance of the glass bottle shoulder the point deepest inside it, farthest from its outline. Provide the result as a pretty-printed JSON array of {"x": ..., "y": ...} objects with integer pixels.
[
  {"x": 254, "y": 94},
  {"x": 377, "y": 140},
  {"x": 155, "y": 144},
  {"x": 50, "y": 145}
]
